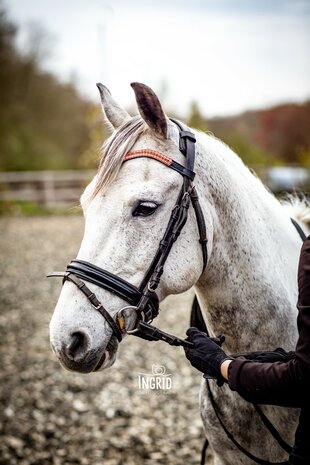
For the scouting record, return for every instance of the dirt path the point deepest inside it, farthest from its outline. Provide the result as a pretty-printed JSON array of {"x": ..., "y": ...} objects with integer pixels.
[{"x": 50, "y": 416}]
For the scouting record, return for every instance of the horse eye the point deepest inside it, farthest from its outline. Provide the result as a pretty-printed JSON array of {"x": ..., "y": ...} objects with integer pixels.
[{"x": 144, "y": 208}]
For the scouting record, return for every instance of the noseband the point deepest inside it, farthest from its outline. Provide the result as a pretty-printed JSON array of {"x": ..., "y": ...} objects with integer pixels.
[{"x": 144, "y": 300}]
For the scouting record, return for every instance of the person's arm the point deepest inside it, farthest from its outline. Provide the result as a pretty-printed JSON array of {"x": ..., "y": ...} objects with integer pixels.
[
  {"x": 279, "y": 382},
  {"x": 224, "y": 368}
]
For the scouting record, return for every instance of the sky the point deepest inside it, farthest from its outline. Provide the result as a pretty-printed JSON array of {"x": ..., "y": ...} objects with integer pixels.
[{"x": 226, "y": 55}]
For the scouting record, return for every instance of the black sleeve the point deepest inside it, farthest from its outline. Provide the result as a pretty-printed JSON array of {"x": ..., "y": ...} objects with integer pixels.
[{"x": 279, "y": 383}]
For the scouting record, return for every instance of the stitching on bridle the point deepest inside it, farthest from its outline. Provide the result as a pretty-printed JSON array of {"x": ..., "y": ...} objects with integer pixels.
[{"x": 150, "y": 154}]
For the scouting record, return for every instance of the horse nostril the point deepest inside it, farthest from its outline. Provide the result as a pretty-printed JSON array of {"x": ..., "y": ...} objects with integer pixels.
[{"x": 78, "y": 345}]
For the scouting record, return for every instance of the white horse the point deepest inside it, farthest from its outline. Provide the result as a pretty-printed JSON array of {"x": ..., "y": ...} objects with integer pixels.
[{"x": 248, "y": 290}]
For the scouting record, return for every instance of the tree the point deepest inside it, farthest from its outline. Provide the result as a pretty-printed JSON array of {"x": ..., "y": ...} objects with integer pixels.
[
  {"x": 42, "y": 121},
  {"x": 195, "y": 118}
]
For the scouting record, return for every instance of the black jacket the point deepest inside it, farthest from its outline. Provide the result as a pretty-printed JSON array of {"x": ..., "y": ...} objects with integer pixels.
[{"x": 286, "y": 384}]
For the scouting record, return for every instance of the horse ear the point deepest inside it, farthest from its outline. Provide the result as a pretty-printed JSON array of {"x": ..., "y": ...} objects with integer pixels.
[
  {"x": 150, "y": 108},
  {"x": 115, "y": 114}
]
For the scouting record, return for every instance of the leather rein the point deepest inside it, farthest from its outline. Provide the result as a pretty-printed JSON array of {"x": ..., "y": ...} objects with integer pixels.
[{"x": 143, "y": 299}]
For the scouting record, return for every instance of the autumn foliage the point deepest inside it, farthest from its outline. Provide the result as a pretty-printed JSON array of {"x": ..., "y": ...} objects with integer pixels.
[{"x": 47, "y": 124}]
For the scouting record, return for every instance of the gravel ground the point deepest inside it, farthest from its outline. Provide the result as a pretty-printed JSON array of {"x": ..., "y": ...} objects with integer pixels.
[{"x": 51, "y": 416}]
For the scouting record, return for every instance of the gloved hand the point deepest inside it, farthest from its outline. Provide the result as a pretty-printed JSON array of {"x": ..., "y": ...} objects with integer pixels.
[{"x": 207, "y": 355}]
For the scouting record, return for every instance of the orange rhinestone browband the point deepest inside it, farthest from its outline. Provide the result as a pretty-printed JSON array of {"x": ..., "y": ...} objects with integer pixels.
[{"x": 150, "y": 154}]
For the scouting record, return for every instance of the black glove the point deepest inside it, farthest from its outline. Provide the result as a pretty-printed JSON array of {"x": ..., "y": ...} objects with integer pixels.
[{"x": 207, "y": 355}]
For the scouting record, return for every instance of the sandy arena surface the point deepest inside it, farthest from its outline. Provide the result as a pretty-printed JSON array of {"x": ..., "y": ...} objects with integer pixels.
[{"x": 51, "y": 416}]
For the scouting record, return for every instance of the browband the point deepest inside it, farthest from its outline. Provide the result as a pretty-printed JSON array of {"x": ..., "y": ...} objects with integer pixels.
[{"x": 168, "y": 161}]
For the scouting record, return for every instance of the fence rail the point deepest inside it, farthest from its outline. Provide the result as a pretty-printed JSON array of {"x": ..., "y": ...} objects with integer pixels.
[
  {"x": 63, "y": 188},
  {"x": 48, "y": 188}
]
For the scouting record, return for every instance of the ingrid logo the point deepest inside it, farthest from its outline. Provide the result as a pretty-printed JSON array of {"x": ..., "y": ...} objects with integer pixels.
[
  {"x": 157, "y": 381},
  {"x": 158, "y": 369}
]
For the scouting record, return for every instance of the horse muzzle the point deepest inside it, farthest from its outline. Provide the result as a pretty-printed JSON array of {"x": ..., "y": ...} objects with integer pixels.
[{"x": 78, "y": 355}]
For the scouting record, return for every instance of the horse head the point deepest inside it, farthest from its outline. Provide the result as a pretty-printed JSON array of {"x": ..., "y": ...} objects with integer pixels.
[{"x": 126, "y": 208}]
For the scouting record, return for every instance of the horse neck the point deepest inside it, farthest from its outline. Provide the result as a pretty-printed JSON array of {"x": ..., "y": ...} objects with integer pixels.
[{"x": 248, "y": 291}]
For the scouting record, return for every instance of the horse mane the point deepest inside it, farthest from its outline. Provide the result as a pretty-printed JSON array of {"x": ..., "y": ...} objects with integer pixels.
[
  {"x": 114, "y": 149},
  {"x": 298, "y": 206}
]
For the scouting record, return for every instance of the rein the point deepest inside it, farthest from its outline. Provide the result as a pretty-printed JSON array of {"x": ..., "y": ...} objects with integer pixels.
[{"x": 144, "y": 300}]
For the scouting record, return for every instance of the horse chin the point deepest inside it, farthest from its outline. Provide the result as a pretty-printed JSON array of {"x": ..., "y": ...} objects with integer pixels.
[
  {"x": 108, "y": 356},
  {"x": 106, "y": 361}
]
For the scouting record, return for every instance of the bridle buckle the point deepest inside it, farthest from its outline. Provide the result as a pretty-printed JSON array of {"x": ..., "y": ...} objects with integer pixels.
[{"x": 150, "y": 288}]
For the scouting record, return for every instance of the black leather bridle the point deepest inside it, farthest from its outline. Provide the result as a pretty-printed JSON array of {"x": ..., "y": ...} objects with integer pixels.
[{"x": 144, "y": 300}]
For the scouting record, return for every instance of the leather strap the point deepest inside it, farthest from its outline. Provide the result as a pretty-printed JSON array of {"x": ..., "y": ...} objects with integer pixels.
[
  {"x": 300, "y": 231},
  {"x": 113, "y": 283},
  {"x": 168, "y": 161},
  {"x": 204, "y": 452},
  {"x": 91, "y": 296},
  {"x": 187, "y": 147},
  {"x": 231, "y": 437},
  {"x": 275, "y": 433},
  {"x": 203, "y": 239},
  {"x": 106, "y": 280}
]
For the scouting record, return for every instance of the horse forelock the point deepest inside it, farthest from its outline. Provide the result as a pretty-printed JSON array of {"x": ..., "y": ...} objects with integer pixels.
[{"x": 114, "y": 150}]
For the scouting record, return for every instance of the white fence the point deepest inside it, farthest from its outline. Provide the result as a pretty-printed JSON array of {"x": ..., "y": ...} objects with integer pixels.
[
  {"x": 63, "y": 188},
  {"x": 49, "y": 188}
]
